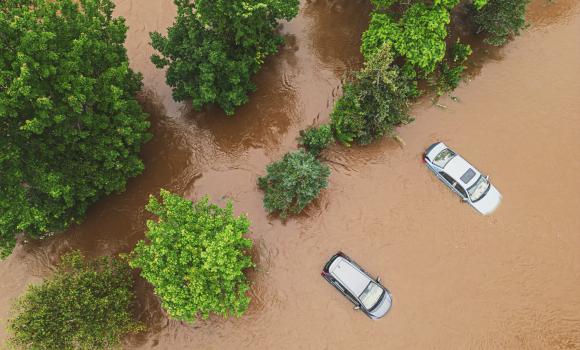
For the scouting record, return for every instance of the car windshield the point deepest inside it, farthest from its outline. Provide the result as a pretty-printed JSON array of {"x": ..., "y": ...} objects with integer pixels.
[
  {"x": 478, "y": 189},
  {"x": 443, "y": 157},
  {"x": 371, "y": 295}
]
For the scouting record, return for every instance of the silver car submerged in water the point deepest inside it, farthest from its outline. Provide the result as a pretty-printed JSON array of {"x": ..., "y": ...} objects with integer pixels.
[
  {"x": 462, "y": 178},
  {"x": 366, "y": 293}
]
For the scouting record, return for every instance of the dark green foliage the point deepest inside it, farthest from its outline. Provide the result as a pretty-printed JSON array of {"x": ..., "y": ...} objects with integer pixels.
[
  {"x": 195, "y": 257},
  {"x": 84, "y": 305},
  {"x": 451, "y": 70},
  {"x": 214, "y": 47},
  {"x": 70, "y": 127},
  {"x": 500, "y": 19},
  {"x": 315, "y": 140},
  {"x": 293, "y": 182},
  {"x": 348, "y": 118},
  {"x": 375, "y": 102}
]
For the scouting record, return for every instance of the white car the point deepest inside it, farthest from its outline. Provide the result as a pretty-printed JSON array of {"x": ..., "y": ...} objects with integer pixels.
[
  {"x": 462, "y": 178},
  {"x": 366, "y": 293}
]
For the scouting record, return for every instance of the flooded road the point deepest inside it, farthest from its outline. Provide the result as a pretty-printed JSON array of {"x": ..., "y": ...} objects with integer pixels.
[{"x": 459, "y": 280}]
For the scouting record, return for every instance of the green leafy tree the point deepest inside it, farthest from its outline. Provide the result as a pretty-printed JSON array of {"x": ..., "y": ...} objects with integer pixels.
[
  {"x": 500, "y": 19},
  {"x": 195, "y": 257},
  {"x": 214, "y": 47},
  {"x": 84, "y": 305},
  {"x": 293, "y": 182},
  {"x": 70, "y": 127},
  {"x": 418, "y": 36},
  {"x": 375, "y": 102},
  {"x": 315, "y": 140}
]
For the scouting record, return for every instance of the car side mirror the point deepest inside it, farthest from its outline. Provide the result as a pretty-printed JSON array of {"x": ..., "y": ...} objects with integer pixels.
[
  {"x": 487, "y": 177},
  {"x": 378, "y": 279},
  {"x": 356, "y": 307}
]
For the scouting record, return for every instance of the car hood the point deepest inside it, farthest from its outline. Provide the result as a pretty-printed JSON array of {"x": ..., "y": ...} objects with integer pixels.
[
  {"x": 489, "y": 202},
  {"x": 383, "y": 307}
]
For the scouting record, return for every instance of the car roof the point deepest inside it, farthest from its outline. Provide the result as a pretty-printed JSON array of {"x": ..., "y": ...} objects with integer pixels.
[
  {"x": 459, "y": 169},
  {"x": 349, "y": 275}
]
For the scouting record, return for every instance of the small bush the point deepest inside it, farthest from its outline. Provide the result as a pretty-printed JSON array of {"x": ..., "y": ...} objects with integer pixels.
[
  {"x": 85, "y": 305},
  {"x": 315, "y": 140},
  {"x": 293, "y": 182},
  {"x": 375, "y": 102},
  {"x": 195, "y": 257}
]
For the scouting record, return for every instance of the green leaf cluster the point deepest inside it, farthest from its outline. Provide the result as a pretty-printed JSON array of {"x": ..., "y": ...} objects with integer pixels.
[
  {"x": 418, "y": 35},
  {"x": 215, "y": 46},
  {"x": 450, "y": 71},
  {"x": 195, "y": 257},
  {"x": 315, "y": 140},
  {"x": 84, "y": 305},
  {"x": 479, "y": 4},
  {"x": 500, "y": 19},
  {"x": 70, "y": 126},
  {"x": 374, "y": 102},
  {"x": 293, "y": 182}
]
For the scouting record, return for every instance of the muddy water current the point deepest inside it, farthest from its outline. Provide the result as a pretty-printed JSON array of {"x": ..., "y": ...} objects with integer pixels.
[{"x": 459, "y": 280}]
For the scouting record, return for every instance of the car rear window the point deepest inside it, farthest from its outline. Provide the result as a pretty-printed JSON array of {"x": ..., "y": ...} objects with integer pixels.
[
  {"x": 469, "y": 174},
  {"x": 443, "y": 157}
]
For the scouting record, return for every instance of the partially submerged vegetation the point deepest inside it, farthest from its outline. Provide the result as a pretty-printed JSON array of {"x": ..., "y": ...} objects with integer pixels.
[
  {"x": 71, "y": 130},
  {"x": 374, "y": 101},
  {"x": 83, "y": 305},
  {"x": 214, "y": 47},
  {"x": 70, "y": 126},
  {"x": 195, "y": 257},
  {"x": 500, "y": 20},
  {"x": 316, "y": 139},
  {"x": 406, "y": 42},
  {"x": 293, "y": 182}
]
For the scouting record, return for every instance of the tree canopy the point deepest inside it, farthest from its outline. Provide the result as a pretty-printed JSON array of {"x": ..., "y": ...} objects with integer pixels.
[
  {"x": 214, "y": 48},
  {"x": 195, "y": 257},
  {"x": 70, "y": 127},
  {"x": 500, "y": 19},
  {"x": 374, "y": 101},
  {"x": 418, "y": 35},
  {"x": 293, "y": 182},
  {"x": 84, "y": 305}
]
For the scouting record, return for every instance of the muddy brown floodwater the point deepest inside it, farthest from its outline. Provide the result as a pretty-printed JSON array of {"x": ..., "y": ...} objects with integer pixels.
[{"x": 459, "y": 280}]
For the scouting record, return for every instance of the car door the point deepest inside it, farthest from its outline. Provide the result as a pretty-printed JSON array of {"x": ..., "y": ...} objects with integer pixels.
[
  {"x": 453, "y": 185},
  {"x": 447, "y": 180},
  {"x": 344, "y": 291}
]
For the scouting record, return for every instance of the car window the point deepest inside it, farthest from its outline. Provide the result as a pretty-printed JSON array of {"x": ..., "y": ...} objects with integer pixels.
[
  {"x": 461, "y": 190},
  {"x": 478, "y": 189},
  {"x": 371, "y": 295},
  {"x": 447, "y": 178},
  {"x": 443, "y": 157},
  {"x": 469, "y": 174}
]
